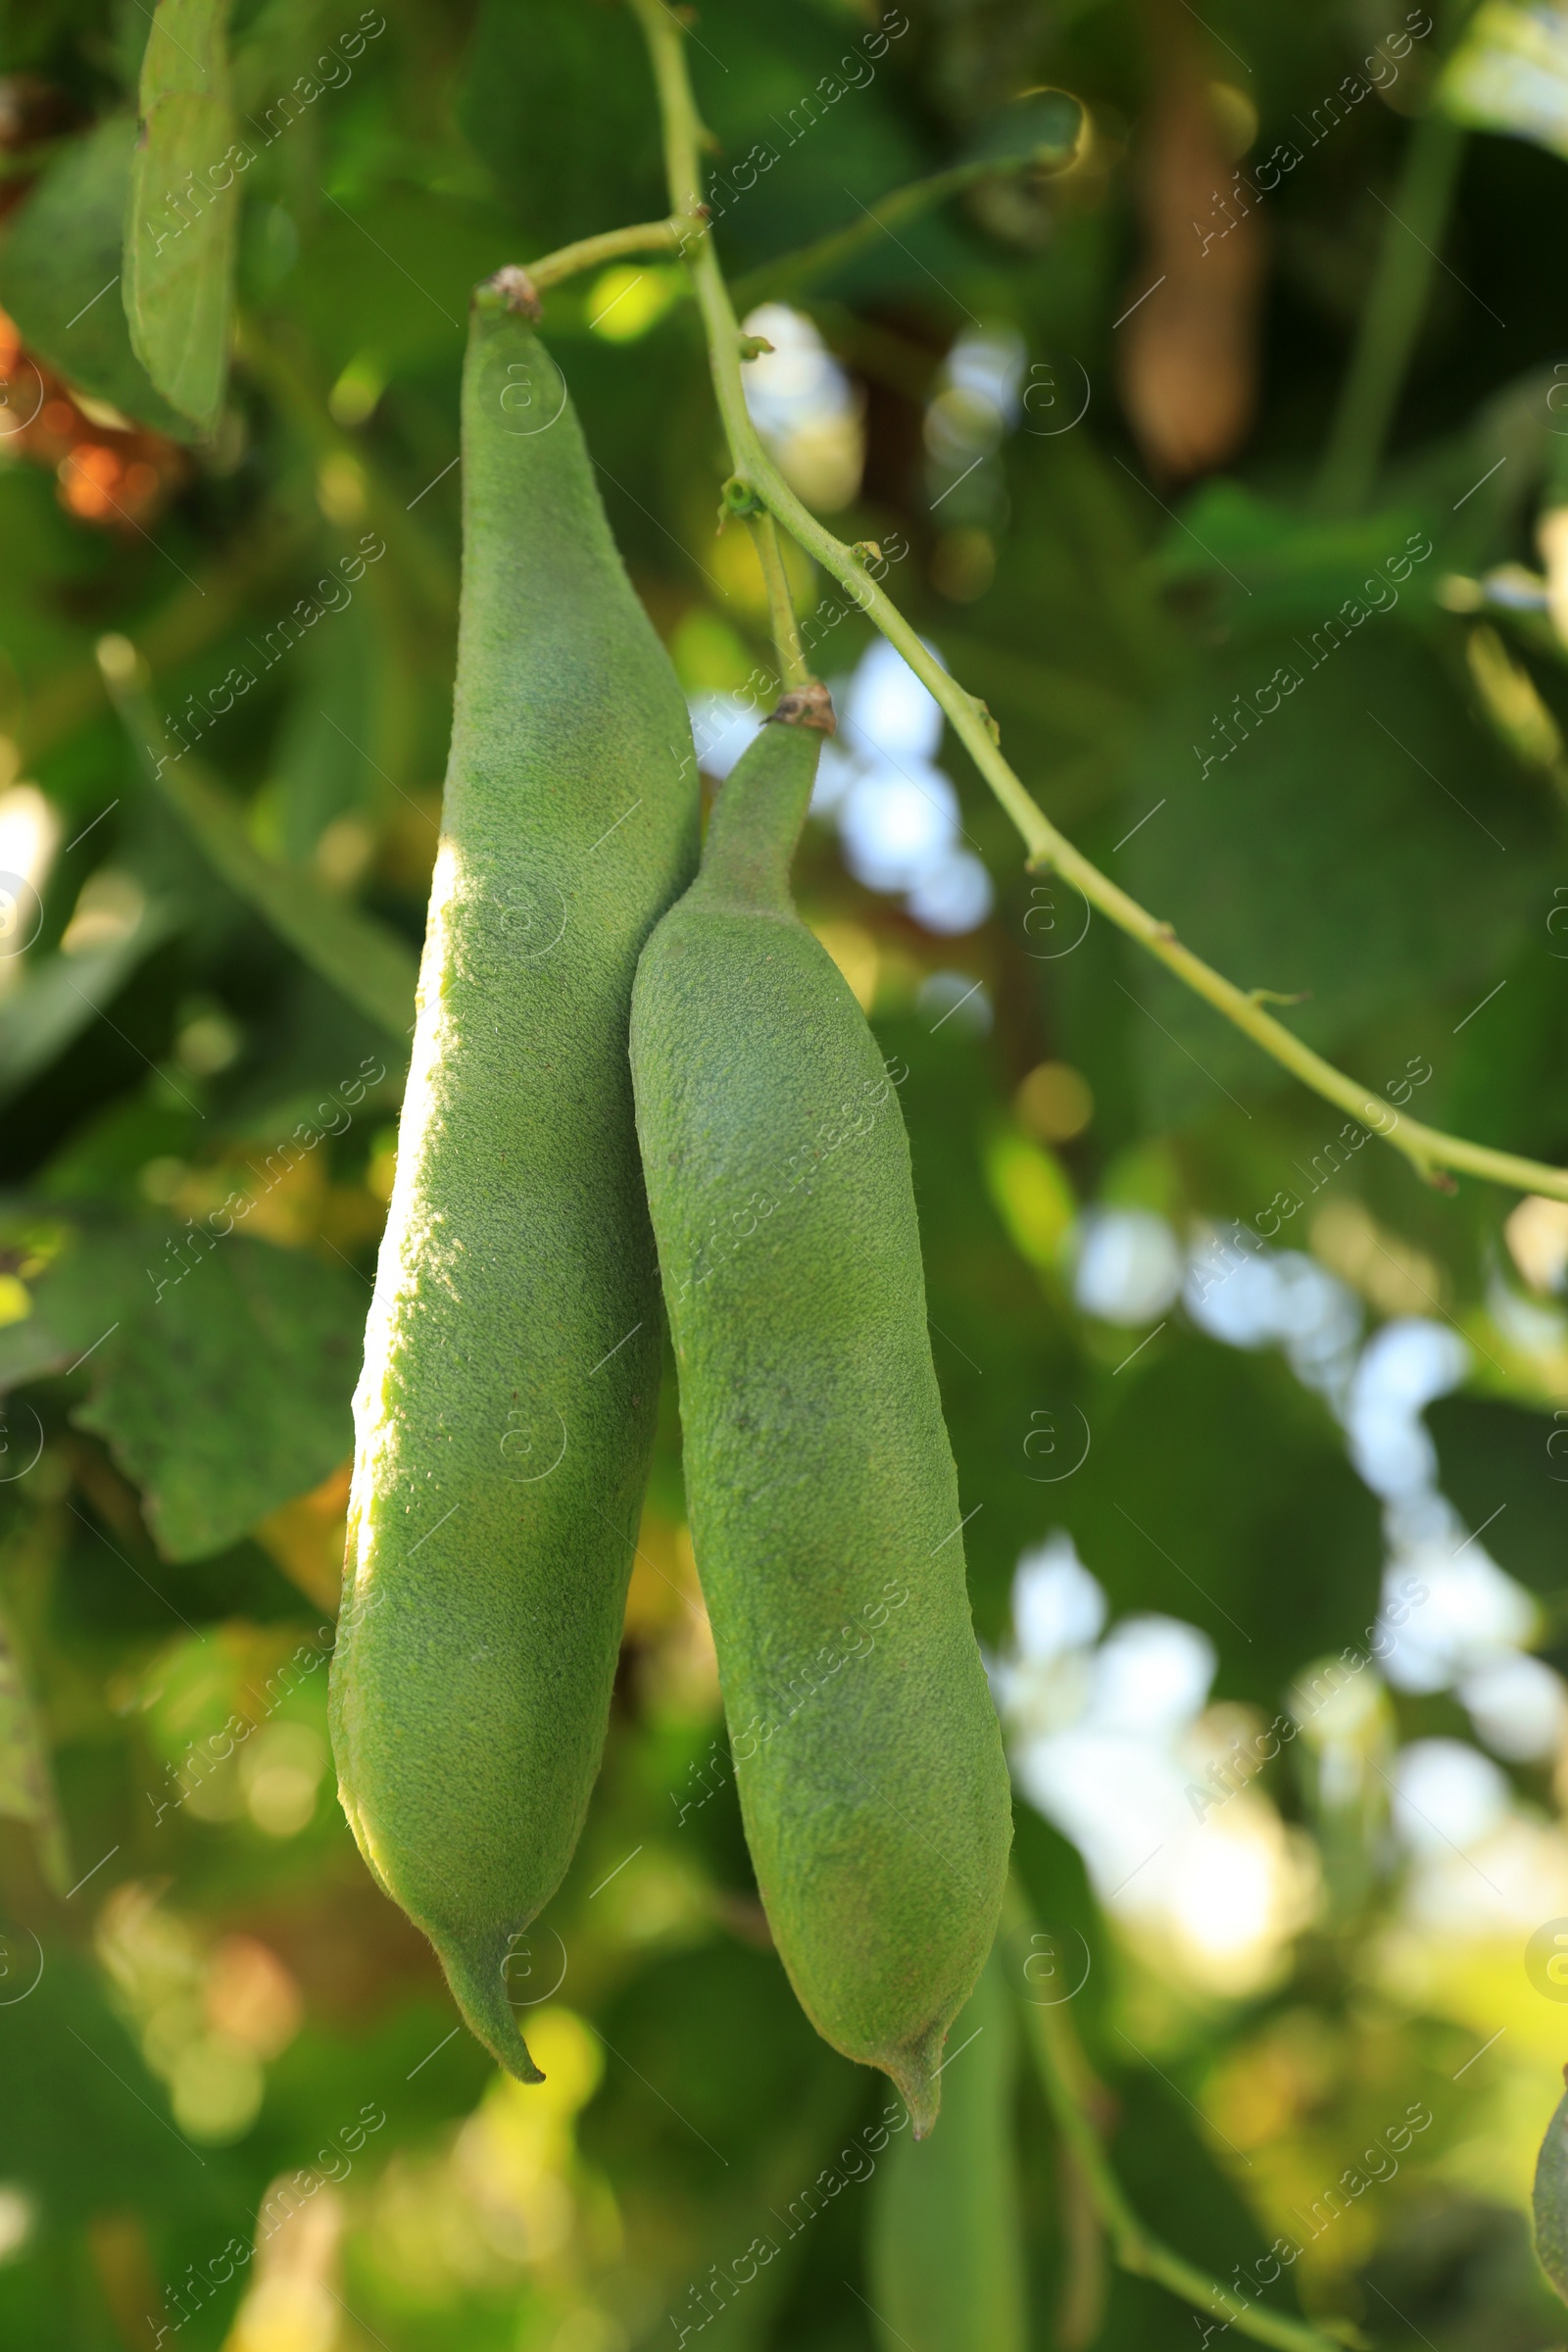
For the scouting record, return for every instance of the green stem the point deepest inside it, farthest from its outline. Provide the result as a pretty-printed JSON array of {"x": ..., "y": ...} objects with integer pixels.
[
  {"x": 1426, "y": 1148},
  {"x": 1068, "y": 2088},
  {"x": 780, "y": 604},
  {"x": 1395, "y": 305},
  {"x": 588, "y": 253}
]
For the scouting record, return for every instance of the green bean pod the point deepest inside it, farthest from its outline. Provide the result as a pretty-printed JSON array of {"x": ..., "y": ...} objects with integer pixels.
[
  {"x": 823, "y": 1498},
  {"x": 506, "y": 1411}
]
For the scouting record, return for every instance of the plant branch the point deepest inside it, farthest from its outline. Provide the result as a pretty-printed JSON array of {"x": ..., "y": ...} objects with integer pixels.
[
  {"x": 647, "y": 236},
  {"x": 1426, "y": 1148},
  {"x": 1068, "y": 2086},
  {"x": 1391, "y": 319}
]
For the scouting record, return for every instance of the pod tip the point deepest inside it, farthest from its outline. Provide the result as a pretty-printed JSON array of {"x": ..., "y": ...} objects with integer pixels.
[
  {"x": 916, "y": 2071},
  {"x": 475, "y": 1972}
]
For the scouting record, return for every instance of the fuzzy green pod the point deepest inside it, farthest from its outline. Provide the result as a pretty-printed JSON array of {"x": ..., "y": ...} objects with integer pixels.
[
  {"x": 823, "y": 1499},
  {"x": 506, "y": 1411}
]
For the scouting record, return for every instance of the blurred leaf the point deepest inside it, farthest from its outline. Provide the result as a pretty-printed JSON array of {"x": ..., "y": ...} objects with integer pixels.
[
  {"x": 1173, "y": 1522},
  {"x": 394, "y": 278},
  {"x": 1359, "y": 840},
  {"x": 1034, "y": 133},
  {"x": 809, "y": 126},
  {"x": 178, "y": 266},
  {"x": 59, "y": 270},
  {"x": 321, "y": 773},
  {"x": 219, "y": 1369},
  {"x": 570, "y": 169},
  {"x": 1552, "y": 2200},
  {"x": 1498, "y": 1465},
  {"x": 365, "y": 959},
  {"x": 63, "y": 993},
  {"x": 1169, "y": 2168},
  {"x": 1273, "y": 568},
  {"x": 945, "y": 2263},
  {"x": 63, "y": 2053},
  {"x": 239, "y": 1401}
]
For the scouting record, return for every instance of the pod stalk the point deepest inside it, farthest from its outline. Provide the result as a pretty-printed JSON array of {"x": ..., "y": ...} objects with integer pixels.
[{"x": 760, "y": 809}]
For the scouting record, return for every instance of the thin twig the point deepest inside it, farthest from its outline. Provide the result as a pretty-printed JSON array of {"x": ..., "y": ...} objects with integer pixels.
[
  {"x": 1426, "y": 1148},
  {"x": 1067, "y": 2085},
  {"x": 646, "y": 236}
]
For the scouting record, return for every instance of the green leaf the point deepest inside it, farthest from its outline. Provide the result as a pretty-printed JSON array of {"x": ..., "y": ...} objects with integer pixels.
[
  {"x": 1492, "y": 1452},
  {"x": 1552, "y": 2200},
  {"x": 63, "y": 2050},
  {"x": 1269, "y": 566},
  {"x": 365, "y": 960},
  {"x": 946, "y": 2255},
  {"x": 220, "y": 1368},
  {"x": 1172, "y": 1524},
  {"x": 59, "y": 272},
  {"x": 230, "y": 1395},
  {"x": 1349, "y": 833},
  {"x": 319, "y": 769},
  {"x": 178, "y": 280}
]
